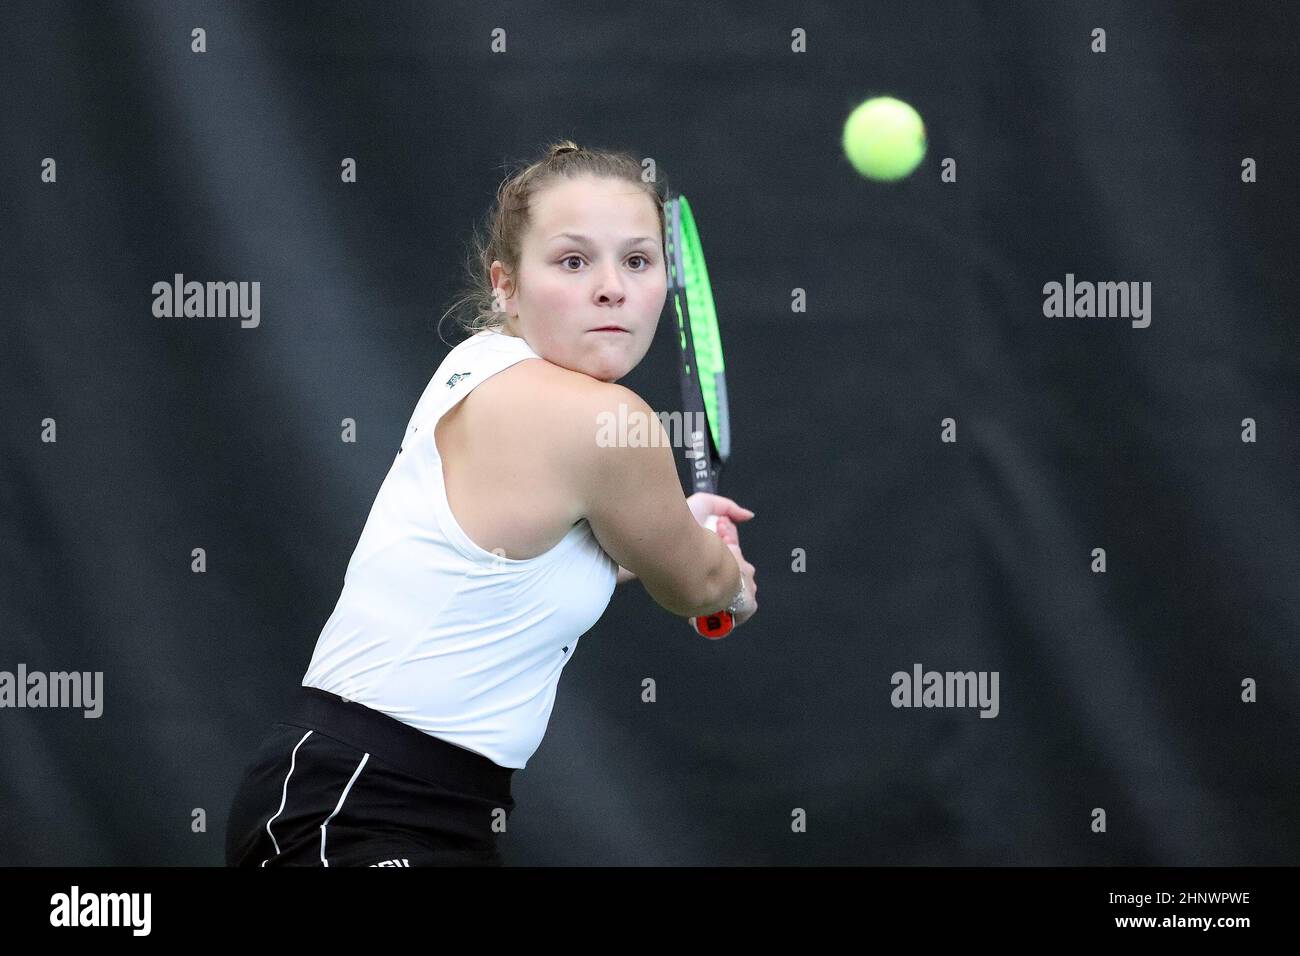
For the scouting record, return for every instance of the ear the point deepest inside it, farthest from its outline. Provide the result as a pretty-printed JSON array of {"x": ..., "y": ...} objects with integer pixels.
[
  {"x": 503, "y": 287},
  {"x": 501, "y": 279}
]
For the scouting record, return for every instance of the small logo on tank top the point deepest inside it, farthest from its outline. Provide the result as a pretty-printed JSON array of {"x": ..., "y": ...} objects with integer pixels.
[
  {"x": 399, "y": 862},
  {"x": 457, "y": 377}
]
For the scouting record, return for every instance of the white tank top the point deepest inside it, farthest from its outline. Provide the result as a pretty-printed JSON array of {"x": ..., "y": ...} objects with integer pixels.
[{"x": 439, "y": 633}]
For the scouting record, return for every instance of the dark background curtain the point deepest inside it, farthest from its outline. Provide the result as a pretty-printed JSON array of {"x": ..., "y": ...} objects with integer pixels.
[{"x": 1119, "y": 690}]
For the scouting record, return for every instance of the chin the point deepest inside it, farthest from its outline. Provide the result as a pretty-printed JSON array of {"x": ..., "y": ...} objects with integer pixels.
[
  {"x": 607, "y": 368},
  {"x": 597, "y": 370}
]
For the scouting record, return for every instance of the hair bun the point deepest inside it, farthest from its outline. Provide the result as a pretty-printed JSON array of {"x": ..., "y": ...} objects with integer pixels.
[{"x": 568, "y": 146}]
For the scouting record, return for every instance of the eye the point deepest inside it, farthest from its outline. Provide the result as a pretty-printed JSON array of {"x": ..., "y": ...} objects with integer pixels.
[{"x": 644, "y": 259}]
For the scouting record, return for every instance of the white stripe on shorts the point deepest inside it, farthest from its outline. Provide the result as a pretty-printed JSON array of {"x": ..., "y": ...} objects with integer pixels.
[
  {"x": 284, "y": 794},
  {"x": 356, "y": 773}
]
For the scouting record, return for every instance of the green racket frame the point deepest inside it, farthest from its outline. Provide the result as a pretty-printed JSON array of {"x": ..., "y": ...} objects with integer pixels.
[{"x": 697, "y": 323}]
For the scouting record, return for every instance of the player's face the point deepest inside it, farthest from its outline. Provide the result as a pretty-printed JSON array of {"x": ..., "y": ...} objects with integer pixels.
[{"x": 592, "y": 257}]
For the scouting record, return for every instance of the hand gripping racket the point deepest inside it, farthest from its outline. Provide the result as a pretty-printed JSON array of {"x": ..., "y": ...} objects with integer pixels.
[{"x": 703, "y": 378}]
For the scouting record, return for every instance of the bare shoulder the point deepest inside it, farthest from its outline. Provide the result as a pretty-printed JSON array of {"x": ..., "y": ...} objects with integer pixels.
[
  {"x": 567, "y": 407},
  {"x": 571, "y": 422}
]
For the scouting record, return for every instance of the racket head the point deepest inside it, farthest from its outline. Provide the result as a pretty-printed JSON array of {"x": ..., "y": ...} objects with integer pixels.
[{"x": 691, "y": 295}]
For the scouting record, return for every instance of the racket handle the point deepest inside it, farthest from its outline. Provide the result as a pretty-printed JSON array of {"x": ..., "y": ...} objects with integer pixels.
[{"x": 720, "y": 623}]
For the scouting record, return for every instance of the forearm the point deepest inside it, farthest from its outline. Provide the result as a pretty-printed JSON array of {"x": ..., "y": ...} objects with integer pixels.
[{"x": 724, "y": 582}]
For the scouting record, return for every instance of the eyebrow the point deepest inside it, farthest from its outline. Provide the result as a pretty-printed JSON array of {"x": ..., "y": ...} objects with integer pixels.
[{"x": 581, "y": 238}]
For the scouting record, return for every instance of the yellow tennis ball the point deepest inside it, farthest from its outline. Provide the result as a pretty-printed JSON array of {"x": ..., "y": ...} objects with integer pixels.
[{"x": 884, "y": 138}]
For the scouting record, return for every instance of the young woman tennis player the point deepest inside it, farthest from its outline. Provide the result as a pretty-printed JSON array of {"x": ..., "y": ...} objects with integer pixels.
[{"x": 495, "y": 542}]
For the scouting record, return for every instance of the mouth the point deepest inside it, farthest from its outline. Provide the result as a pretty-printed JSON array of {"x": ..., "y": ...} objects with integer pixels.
[{"x": 609, "y": 328}]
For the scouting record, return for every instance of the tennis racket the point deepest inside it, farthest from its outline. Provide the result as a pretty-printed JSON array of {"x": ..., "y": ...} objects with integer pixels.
[{"x": 703, "y": 376}]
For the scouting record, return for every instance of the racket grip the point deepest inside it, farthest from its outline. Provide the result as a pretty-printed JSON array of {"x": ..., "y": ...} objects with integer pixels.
[{"x": 720, "y": 623}]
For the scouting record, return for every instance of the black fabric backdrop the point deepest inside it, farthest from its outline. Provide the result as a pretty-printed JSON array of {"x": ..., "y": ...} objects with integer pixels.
[{"x": 1119, "y": 691}]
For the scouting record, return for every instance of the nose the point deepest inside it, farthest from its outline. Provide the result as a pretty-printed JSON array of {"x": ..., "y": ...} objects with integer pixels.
[{"x": 609, "y": 287}]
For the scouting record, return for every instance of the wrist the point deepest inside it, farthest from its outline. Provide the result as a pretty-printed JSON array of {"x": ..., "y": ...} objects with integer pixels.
[{"x": 740, "y": 600}]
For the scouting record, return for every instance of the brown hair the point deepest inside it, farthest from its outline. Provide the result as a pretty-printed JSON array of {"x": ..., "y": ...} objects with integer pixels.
[{"x": 510, "y": 215}]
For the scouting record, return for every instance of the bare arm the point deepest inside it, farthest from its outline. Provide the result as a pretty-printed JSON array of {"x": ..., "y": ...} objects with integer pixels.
[{"x": 634, "y": 503}]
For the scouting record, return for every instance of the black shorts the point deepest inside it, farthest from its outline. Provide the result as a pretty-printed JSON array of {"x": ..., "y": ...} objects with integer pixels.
[{"x": 339, "y": 784}]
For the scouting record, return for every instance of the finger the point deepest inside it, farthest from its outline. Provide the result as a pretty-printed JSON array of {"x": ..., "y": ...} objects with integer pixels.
[{"x": 734, "y": 511}]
